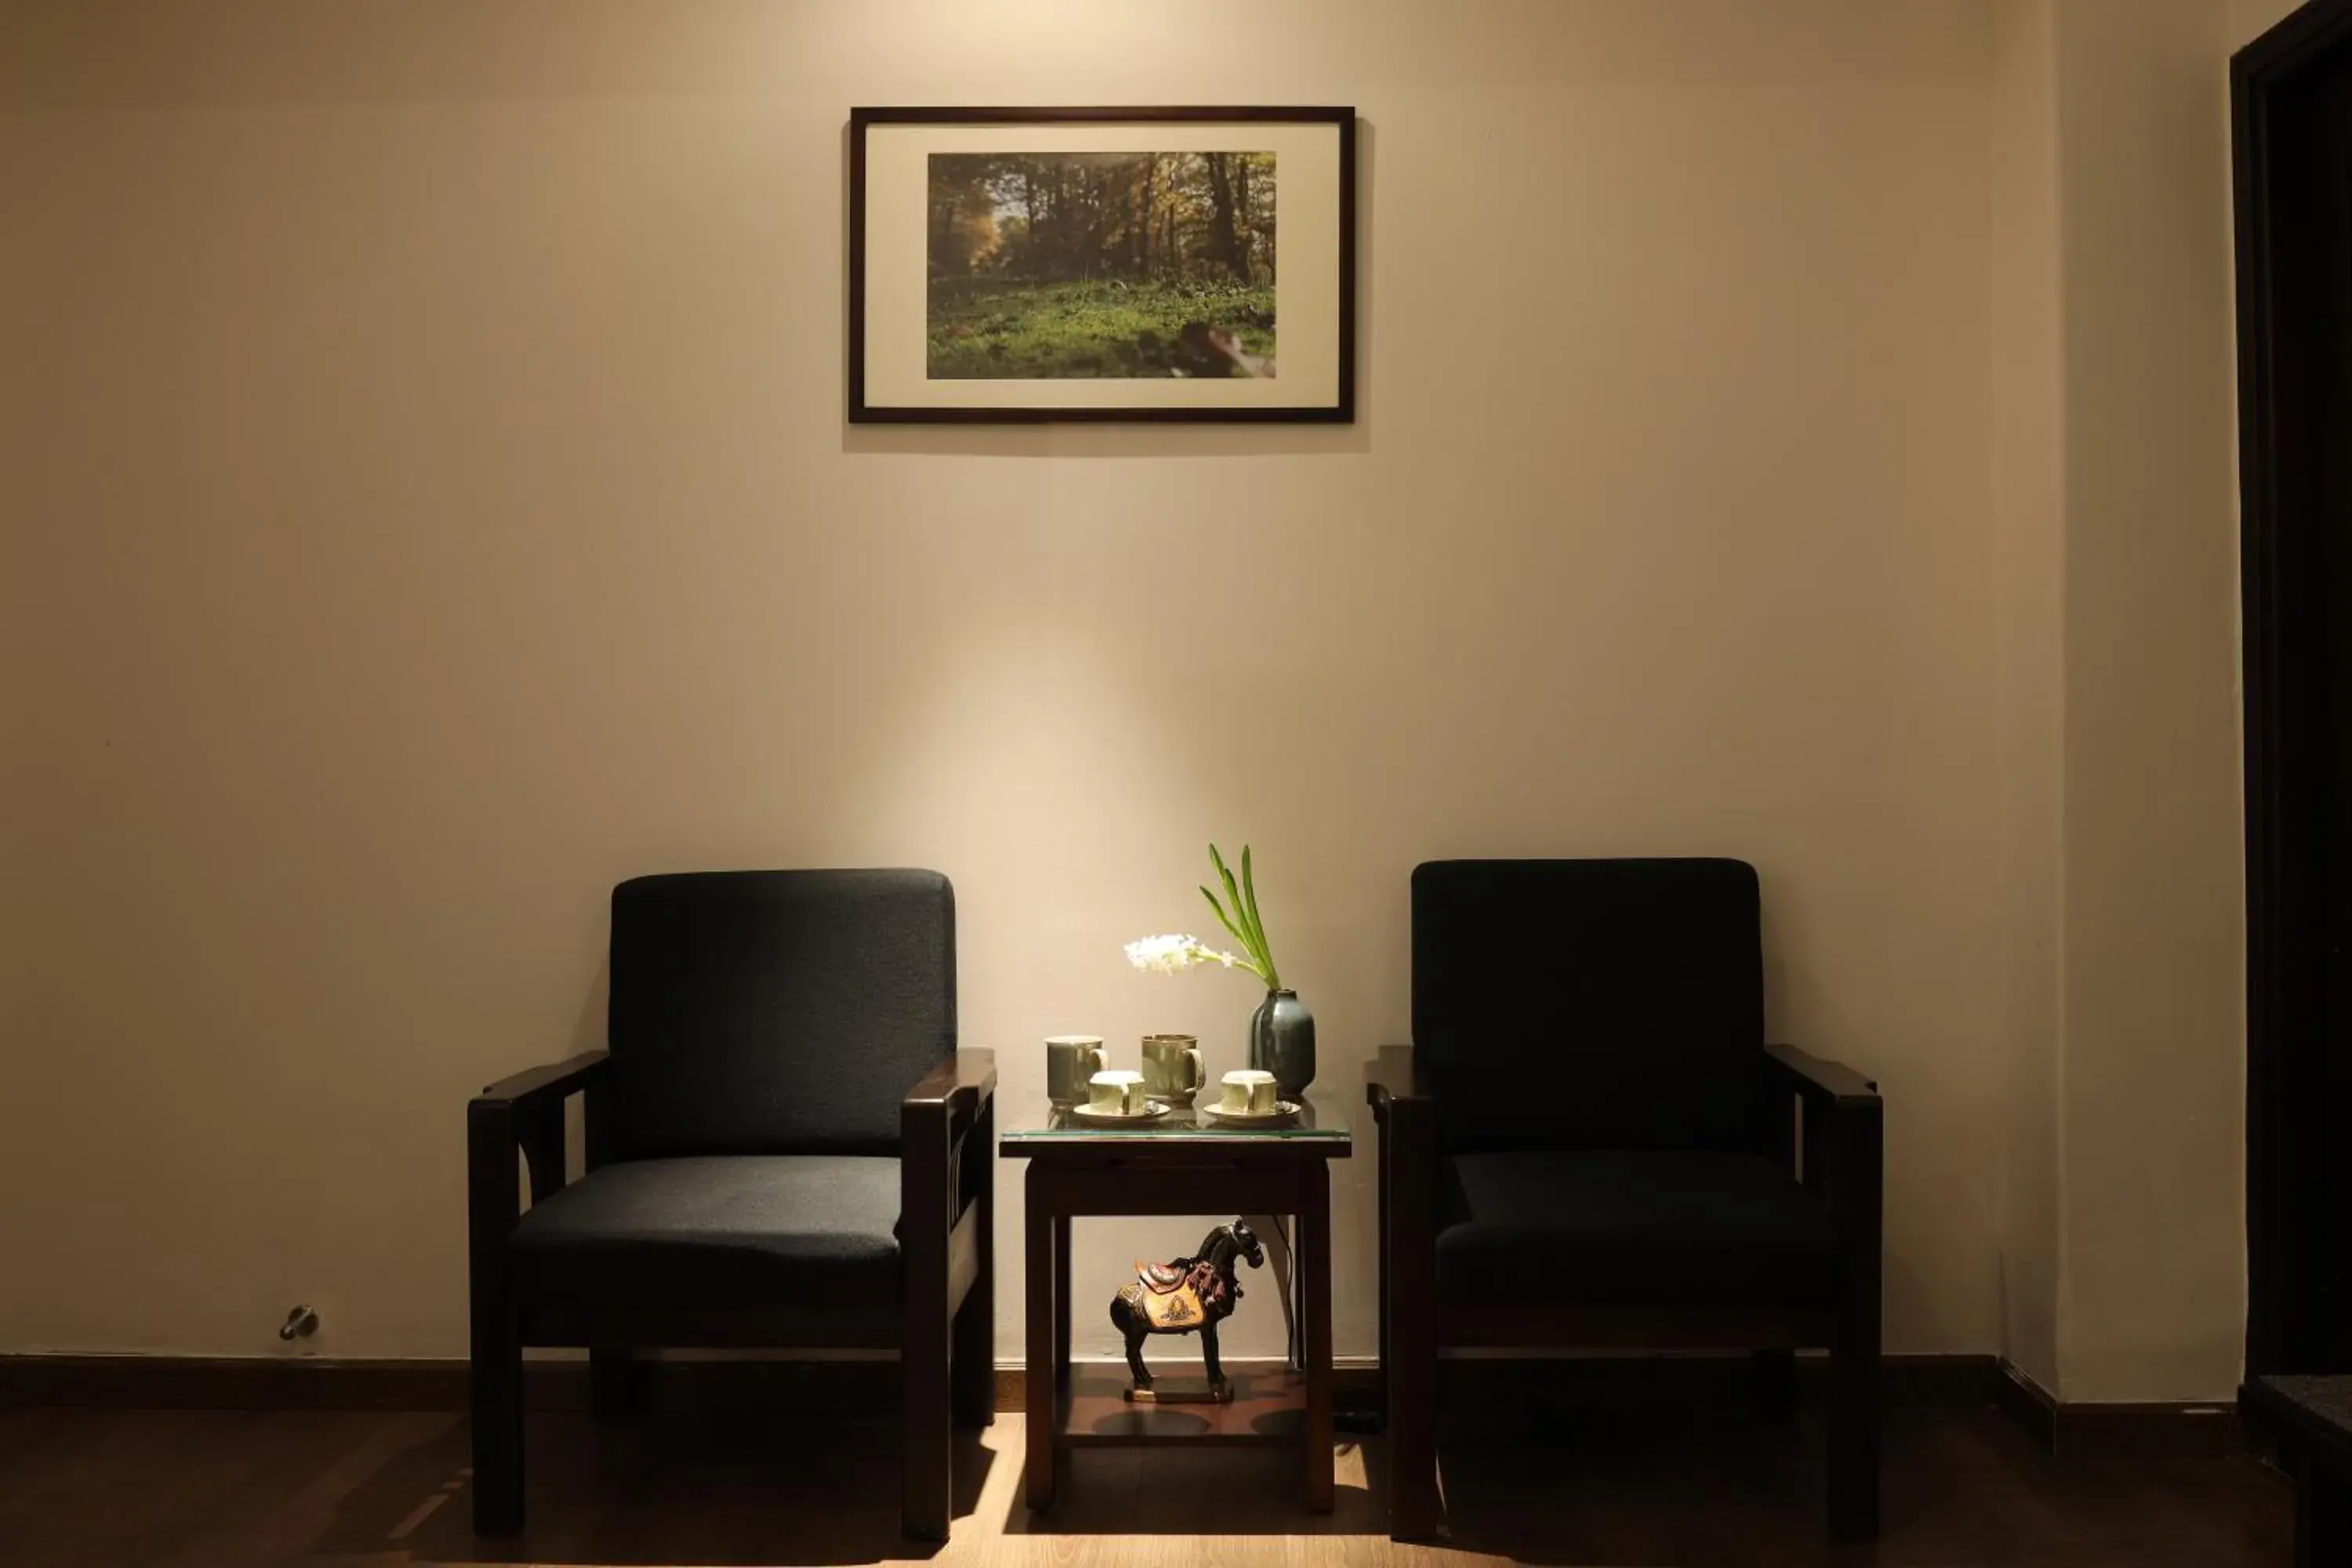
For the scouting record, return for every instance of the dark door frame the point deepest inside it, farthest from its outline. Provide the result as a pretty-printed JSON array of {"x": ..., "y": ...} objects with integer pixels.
[{"x": 2288, "y": 1072}]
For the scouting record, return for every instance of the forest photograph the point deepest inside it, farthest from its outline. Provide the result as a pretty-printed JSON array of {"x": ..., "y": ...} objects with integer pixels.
[{"x": 1124, "y": 264}]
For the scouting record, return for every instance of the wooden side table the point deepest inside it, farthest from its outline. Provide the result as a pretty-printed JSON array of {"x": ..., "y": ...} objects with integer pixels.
[{"x": 1179, "y": 1165}]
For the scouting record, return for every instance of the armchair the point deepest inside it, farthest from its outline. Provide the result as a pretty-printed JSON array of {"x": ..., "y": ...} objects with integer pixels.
[
  {"x": 1589, "y": 1145},
  {"x": 784, "y": 1148}
]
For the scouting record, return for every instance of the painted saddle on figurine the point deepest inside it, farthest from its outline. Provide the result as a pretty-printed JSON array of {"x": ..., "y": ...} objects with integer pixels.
[
  {"x": 1185, "y": 1296},
  {"x": 1174, "y": 1298}
]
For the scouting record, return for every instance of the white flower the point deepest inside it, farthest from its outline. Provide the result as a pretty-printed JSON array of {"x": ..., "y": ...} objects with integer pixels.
[
  {"x": 1174, "y": 953},
  {"x": 1164, "y": 954}
]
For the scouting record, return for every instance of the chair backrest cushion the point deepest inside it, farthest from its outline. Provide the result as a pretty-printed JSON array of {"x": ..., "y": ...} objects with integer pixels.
[
  {"x": 1590, "y": 1004},
  {"x": 776, "y": 1011}
]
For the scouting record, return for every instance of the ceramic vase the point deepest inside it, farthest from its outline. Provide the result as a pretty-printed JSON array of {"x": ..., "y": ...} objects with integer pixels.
[{"x": 1282, "y": 1042}]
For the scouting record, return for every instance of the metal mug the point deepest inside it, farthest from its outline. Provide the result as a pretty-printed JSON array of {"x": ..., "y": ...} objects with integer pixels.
[
  {"x": 1070, "y": 1061},
  {"x": 1171, "y": 1066}
]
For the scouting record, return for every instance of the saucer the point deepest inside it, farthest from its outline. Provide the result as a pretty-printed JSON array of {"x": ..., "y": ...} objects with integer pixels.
[
  {"x": 1088, "y": 1117},
  {"x": 1283, "y": 1113}
]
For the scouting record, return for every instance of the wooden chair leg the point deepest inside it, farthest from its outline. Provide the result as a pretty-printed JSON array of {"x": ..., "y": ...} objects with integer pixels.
[
  {"x": 973, "y": 1370},
  {"x": 497, "y": 1426},
  {"x": 1413, "y": 1432},
  {"x": 2323, "y": 1514},
  {"x": 616, "y": 1387},
  {"x": 974, "y": 1334},
  {"x": 928, "y": 1477},
  {"x": 926, "y": 1220},
  {"x": 1772, "y": 1377},
  {"x": 1848, "y": 1151},
  {"x": 1380, "y": 1280},
  {"x": 1412, "y": 1302},
  {"x": 492, "y": 1202},
  {"x": 1854, "y": 1431}
]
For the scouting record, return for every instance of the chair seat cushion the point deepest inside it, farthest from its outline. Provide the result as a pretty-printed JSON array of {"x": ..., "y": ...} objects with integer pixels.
[
  {"x": 1630, "y": 1229},
  {"x": 717, "y": 1231}
]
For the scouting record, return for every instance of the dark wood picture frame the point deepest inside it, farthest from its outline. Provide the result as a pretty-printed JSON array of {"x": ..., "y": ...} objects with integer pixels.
[
  {"x": 1341, "y": 412},
  {"x": 2291, "y": 494}
]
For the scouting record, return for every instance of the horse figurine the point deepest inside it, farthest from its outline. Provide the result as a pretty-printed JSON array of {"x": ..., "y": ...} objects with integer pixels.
[{"x": 1185, "y": 1296}]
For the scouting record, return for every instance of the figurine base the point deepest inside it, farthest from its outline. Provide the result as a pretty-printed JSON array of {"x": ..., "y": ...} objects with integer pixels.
[{"x": 1218, "y": 1393}]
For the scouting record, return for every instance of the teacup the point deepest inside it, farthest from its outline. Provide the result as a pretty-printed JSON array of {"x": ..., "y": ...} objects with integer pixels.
[
  {"x": 1118, "y": 1092},
  {"x": 1171, "y": 1066},
  {"x": 1247, "y": 1091},
  {"x": 1070, "y": 1061}
]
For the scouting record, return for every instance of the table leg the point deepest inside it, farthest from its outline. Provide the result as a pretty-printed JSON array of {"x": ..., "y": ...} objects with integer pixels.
[
  {"x": 1295, "y": 1349},
  {"x": 1040, "y": 1228},
  {"x": 1380, "y": 1275},
  {"x": 1061, "y": 1301},
  {"x": 1312, "y": 1250}
]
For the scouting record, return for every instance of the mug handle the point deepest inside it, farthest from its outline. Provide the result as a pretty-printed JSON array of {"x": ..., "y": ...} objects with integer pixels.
[
  {"x": 1101, "y": 1063},
  {"x": 1195, "y": 1074}
]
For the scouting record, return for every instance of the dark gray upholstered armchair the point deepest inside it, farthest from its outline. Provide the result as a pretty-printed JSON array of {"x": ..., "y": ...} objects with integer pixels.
[
  {"x": 784, "y": 1148},
  {"x": 1589, "y": 1145}
]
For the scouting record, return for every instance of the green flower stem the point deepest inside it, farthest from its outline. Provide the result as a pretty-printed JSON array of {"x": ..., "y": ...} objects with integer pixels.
[
  {"x": 1257, "y": 924},
  {"x": 1244, "y": 923},
  {"x": 1255, "y": 964}
]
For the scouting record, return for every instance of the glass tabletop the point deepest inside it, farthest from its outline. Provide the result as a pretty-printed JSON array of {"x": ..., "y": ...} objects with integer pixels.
[{"x": 1322, "y": 1118}]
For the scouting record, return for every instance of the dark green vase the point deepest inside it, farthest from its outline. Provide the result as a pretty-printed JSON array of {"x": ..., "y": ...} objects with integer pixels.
[{"x": 1282, "y": 1042}]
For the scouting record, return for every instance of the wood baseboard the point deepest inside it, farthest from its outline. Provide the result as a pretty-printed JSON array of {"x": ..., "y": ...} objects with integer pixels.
[
  {"x": 2028, "y": 1403},
  {"x": 1510, "y": 1385},
  {"x": 312, "y": 1383},
  {"x": 238, "y": 1383},
  {"x": 2192, "y": 1429},
  {"x": 836, "y": 1387}
]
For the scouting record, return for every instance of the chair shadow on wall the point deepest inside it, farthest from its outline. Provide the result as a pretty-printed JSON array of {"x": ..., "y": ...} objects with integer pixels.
[{"x": 734, "y": 1488}]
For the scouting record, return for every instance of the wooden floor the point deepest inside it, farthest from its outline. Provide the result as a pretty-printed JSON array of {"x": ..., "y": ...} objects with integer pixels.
[{"x": 235, "y": 1489}]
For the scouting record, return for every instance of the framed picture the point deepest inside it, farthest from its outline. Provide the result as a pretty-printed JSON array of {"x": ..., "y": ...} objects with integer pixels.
[{"x": 1019, "y": 265}]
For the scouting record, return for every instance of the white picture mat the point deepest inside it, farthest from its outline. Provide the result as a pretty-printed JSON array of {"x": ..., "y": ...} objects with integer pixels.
[{"x": 1306, "y": 287}]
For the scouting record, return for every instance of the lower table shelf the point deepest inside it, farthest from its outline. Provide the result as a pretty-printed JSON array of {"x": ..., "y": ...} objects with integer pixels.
[{"x": 1268, "y": 1408}]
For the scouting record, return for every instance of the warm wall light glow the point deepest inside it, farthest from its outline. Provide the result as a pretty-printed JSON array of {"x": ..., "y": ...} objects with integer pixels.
[{"x": 436, "y": 506}]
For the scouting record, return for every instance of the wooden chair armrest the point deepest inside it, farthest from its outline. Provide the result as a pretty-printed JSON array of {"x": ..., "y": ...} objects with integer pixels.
[
  {"x": 1844, "y": 1142},
  {"x": 946, "y": 1155},
  {"x": 1406, "y": 1116},
  {"x": 1816, "y": 1080},
  {"x": 1392, "y": 1076},
  {"x": 954, "y": 1091},
  {"x": 523, "y": 1112},
  {"x": 554, "y": 1080}
]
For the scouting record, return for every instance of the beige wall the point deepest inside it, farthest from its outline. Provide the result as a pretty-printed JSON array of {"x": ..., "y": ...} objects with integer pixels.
[
  {"x": 2122, "y": 1198},
  {"x": 444, "y": 511},
  {"x": 2154, "y": 1059},
  {"x": 2028, "y": 536},
  {"x": 2250, "y": 19},
  {"x": 434, "y": 506}
]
